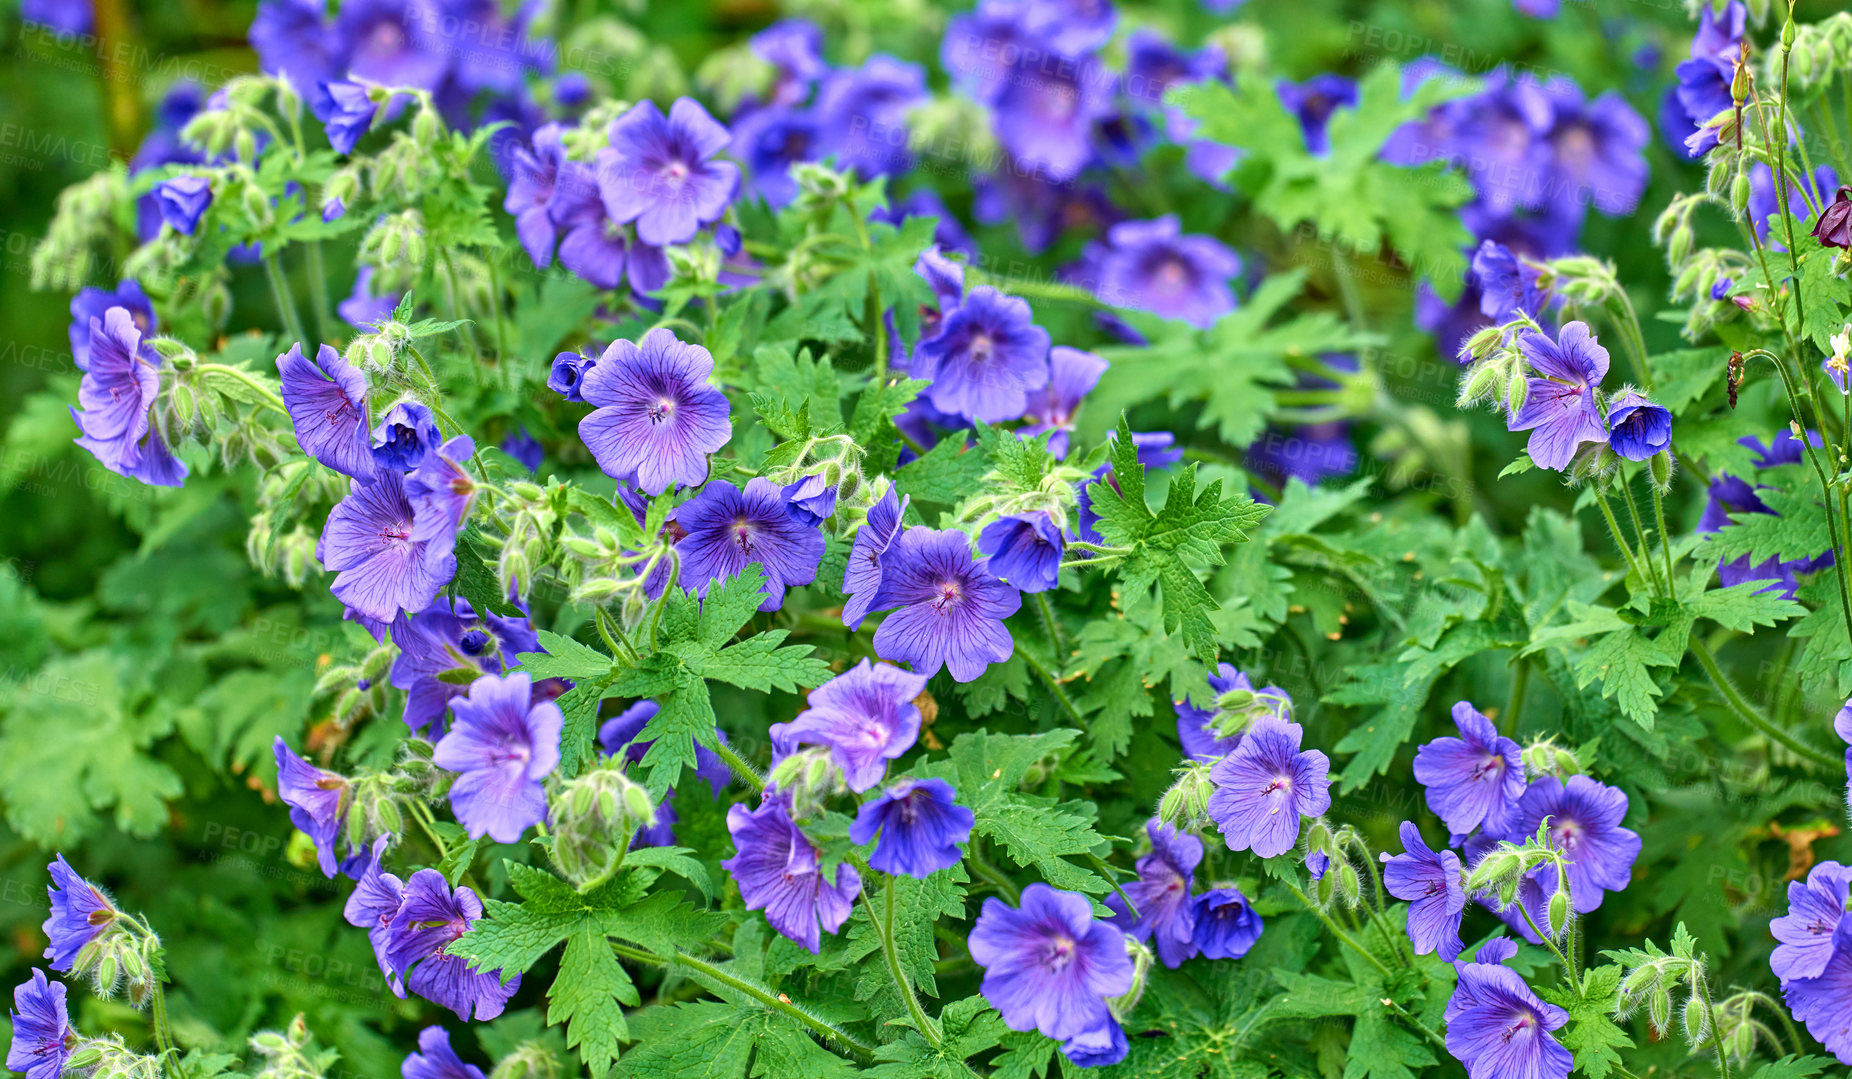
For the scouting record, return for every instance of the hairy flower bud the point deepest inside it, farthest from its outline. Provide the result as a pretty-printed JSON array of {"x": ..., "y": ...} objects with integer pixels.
[
  {"x": 595, "y": 817},
  {"x": 1559, "y": 913}
]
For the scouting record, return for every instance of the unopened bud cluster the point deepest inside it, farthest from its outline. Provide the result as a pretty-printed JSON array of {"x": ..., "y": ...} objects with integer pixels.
[{"x": 594, "y": 818}]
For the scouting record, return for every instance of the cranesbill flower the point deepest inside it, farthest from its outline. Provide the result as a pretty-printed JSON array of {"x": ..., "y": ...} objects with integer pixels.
[
  {"x": 861, "y": 579},
  {"x": 503, "y": 744},
  {"x": 1226, "y": 926},
  {"x": 443, "y": 649},
  {"x": 812, "y": 499},
  {"x": 656, "y": 417},
  {"x": 1153, "y": 266},
  {"x": 1265, "y": 786},
  {"x": 1048, "y": 965},
  {"x": 864, "y": 114},
  {"x": 183, "y": 201},
  {"x": 1098, "y": 1047},
  {"x": 380, "y": 571},
  {"x": 436, "y": 1060},
  {"x": 116, "y": 399},
  {"x": 1072, "y": 374},
  {"x": 1820, "y": 1002},
  {"x": 1431, "y": 882},
  {"x": 986, "y": 358},
  {"x": 80, "y": 913},
  {"x": 778, "y": 871},
  {"x": 317, "y": 801},
  {"x": 442, "y": 493},
  {"x": 1502, "y": 135},
  {"x": 1585, "y": 824},
  {"x": 346, "y": 109},
  {"x": 372, "y": 906},
  {"x": 591, "y": 245},
  {"x": 291, "y": 38},
  {"x": 1196, "y": 727},
  {"x": 1597, "y": 151},
  {"x": 1071, "y": 26},
  {"x": 1045, "y": 109},
  {"x": 1497, "y": 1027},
  {"x": 1842, "y": 726},
  {"x": 1834, "y": 228},
  {"x": 404, "y": 435},
  {"x": 1163, "y": 911},
  {"x": 524, "y": 448},
  {"x": 533, "y": 180},
  {"x": 951, "y": 607},
  {"x": 362, "y": 309},
  {"x": 1024, "y": 550},
  {"x": 94, "y": 303},
  {"x": 390, "y": 42},
  {"x": 729, "y": 529},
  {"x": 1559, "y": 407},
  {"x": 568, "y": 372},
  {"x": 1507, "y": 284},
  {"x": 42, "y": 1036},
  {"x": 429, "y": 921},
  {"x": 865, "y": 715},
  {"x": 1474, "y": 780},
  {"x": 1815, "y": 909},
  {"x": 795, "y": 48},
  {"x": 327, "y": 402},
  {"x": 770, "y": 141},
  {"x": 1733, "y": 495},
  {"x": 920, "y": 827},
  {"x": 1041, "y": 209},
  {"x": 658, "y": 171},
  {"x": 1313, "y": 101},
  {"x": 1637, "y": 428}
]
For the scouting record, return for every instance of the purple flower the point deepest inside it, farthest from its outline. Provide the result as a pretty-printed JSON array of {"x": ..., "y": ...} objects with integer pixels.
[
  {"x": 391, "y": 42},
  {"x": 1265, "y": 786},
  {"x": 524, "y": 448},
  {"x": 657, "y": 171},
  {"x": 403, "y": 436},
  {"x": 380, "y": 570},
  {"x": 728, "y": 530},
  {"x": 795, "y": 48},
  {"x": 951, "y": 607},
  {"x": 1152, "y": 266},
  {"x": 1045, "y": 110},
  {"x": 42, "y": 1036},
  {"x": 812, "y": 499},
  {"x": 1821, "y": 1002},
  {"x": 778, "y": 871},
  {"x": 1072, "y": 375},
  {"x": 1763, "y": 204},
  {"x": 1597, "y": 151},
  {"x": 986, "y": 358},
  {"x": 443, "y": 649},
  {"x": 866, "y": 717},
  {"x": 1507, "y": 284},
  {"x": 920, "y": 827},
  {"x": 292, "y": 38},
  {"x": 1024, "y": 550},
  {"x": 361, "y": 309},
  {"x": 770, "y": 141},
  {"x": 1497, "y": 1027},
  {"x": 80, "y": 913},
  {"x": 436, "y": 1060},
  {"x": 1225, "y": 924},
  {"x": 1732, "y": 495},
  {"x": 1559, "y": 407},
  {"x": 656, "y": 417},
  {"x": 327, "y": 402},
  {"x": 503, "y": 744},
  {"x": 347, "y": 110},
  {"x": 1194, "y": 725},
  {"x": 1048, "y": 965},
  {"x": 1071, "y": 26},
  {"x": 1313, "y": 101},
  {"x": 567, "y": 376},
  {"x": 1098, "y": 1047},
  {"x": 533, "y": 180},
  {"x": 183, "y": 200},
  {"x": 861, "y": 579},
  {"x": 1585, "y": 824},
  {"x": 442, "y": 493},
  {"x": 373, "y": 905},
  {"x": 429, "y": 921},
  {"x": 1815, "y": 909},
  {"x": 1161, "y": 894},
  {"x": 317, "y": 801},
  {"x": 1834, "y": 228},
  {"x": 94, "y": 303},
  {"x": 1474, "y": 780},
  {"x": 864, "y": 114},
  {"x": 116, "y": 398},
  {"x": 70, "y": 18},
  {"x": 1842, "y": 726},
  {"x": 591, "y": 245},
  {"x": 1637, "y": 428},
  {"x": 1431, "y": 882},
  {"x": 1042, "y": 210}
]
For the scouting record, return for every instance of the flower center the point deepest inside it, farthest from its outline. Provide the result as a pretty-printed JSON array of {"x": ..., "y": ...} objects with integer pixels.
[
  {"x": 982, "y": 348},
  {"x": 662, "y": 411},
  {"x": 1058, "y": 953},
  {"x": 742, "y": 534},
  {"x": 948, "y": 593}
]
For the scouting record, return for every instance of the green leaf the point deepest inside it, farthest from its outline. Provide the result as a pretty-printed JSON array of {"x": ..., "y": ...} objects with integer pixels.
[
  {"x": 713, "y": 1040},
  {"x": 675, "y": 860},
  {"x": 945, "y": 474},
  {"x": 1374, "y": 739},
  {"x": 1591, "y": 1035},
  {"x": 586, "y": 996},
  {"x": 476, "y": 580},
  {"x": 563, "y": 657}
]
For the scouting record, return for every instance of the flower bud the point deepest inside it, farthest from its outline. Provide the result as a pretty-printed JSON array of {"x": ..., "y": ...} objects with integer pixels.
[
  {"x": 1480, "y": 383},
  {"x": 1697, "y": 1022},
  {"x": 1516, "y": 391},
  {"x": 1559, "y": 913},
  {"x": 1481, "y": 344},
  {"x": 1349, "y": 885},
  {"x": 1659, "y": 1009},
  {"x": 1739, "y": 193},
  {"x": 526, "y": 491}
]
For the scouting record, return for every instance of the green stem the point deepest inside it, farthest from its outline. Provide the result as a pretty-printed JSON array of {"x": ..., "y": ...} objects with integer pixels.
[
  {"x": 839, "y": 1039},
  {"x": 1054, "y": 687},
  {"x": 1635, "y": 340},
  {"x": 1039, "y": 289},
  {"x": 422, "y": 814},
  {"x": 318, "y": 290},
  {"x": 163, "y": 1029},
  {"x": 1710, "y": 1020},
  {"x": 1048, "y": 623},
  {"x": 1514, "y": 701},
  {"x": 1665, "y": 537},
  {"x": 740, "y": 768},
  {"x": 1337, "y": 930},
  {"x": 1748, "y": 712},
  {"x": 1639, "y": 534},
  {"x": 982, "y": 867},
  {"x": 1428, "y": 1032},
  {"x": 885, "y": 926},
  {"x": 286, "y": 307},
  {"x": 1575, "y": 983},
  {"x": 1607, "y": 513},
  {"x": 468, "y": 329}
]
